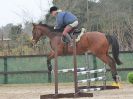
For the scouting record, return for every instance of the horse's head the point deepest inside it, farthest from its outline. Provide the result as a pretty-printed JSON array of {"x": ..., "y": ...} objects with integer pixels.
[
  {"x": 37, "y": 32},
  {"x": 40, "y": 30}
]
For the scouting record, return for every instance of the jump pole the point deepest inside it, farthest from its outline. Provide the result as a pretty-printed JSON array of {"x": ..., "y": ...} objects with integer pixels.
[
  {"x": 75, "y": 67},
  {"x": 56, "y": 70},
  {"x": 67, "y": 95},
  {"x": 77, "y": 92}
]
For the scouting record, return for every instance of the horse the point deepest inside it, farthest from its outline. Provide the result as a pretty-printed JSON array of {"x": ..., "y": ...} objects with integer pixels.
[{"x": 96, "y": 42}]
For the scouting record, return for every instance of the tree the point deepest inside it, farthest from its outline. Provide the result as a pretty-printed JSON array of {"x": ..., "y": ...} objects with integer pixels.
[
  {"x": 113, "y": 17},
  {"x": 15, "y": 31}
]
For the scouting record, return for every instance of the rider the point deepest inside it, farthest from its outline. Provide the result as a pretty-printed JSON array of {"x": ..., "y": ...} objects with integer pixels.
[{"x": 65, "y": 20}]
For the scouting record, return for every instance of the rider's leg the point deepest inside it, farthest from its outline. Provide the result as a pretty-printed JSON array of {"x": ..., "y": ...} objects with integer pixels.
[
  {"x": 69, "y": 39},
  {"x": 66, "y": 33},
  {"x": 68, "y": 29}
]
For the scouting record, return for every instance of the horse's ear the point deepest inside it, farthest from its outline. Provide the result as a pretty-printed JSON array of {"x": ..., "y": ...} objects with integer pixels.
[{"x": 33, "y": 24}]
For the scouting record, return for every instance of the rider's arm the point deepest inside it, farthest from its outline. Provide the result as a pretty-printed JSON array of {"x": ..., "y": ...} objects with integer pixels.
[{"x": 59, "y": 21}]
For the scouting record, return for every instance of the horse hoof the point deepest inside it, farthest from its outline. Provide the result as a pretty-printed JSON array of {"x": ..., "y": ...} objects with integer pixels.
[
  {"x": 118, "y": 78},
  {"x": 50, "y": 68}
]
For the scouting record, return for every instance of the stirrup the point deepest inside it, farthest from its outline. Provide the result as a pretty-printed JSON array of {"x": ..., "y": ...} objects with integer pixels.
[{"x": 71, "y": 44}]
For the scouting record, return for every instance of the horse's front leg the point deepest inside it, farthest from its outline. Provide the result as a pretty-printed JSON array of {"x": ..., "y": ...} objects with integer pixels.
[{"x": 49, "y": 57}]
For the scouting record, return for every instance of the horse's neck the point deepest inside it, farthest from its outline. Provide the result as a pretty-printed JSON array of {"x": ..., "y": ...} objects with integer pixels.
[
  {"x": 49, "y": 31},
  {"x": 52, "y": 35}
]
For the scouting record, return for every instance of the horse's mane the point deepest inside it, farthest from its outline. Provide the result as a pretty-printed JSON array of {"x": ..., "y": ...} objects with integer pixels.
[
  {"x": 51, "y": 28},
  {"x": 48, "y": 26}
]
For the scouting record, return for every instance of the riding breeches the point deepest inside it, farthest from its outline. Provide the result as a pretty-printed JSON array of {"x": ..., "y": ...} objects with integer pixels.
[{"x": 70, "y": 27}]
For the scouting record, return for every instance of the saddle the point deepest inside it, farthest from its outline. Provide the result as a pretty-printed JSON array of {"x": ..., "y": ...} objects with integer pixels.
[{"x": 77, "y": 32}]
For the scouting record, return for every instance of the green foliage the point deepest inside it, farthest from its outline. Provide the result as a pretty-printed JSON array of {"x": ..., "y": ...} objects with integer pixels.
[
  {"x": 23, "y": 38},
  {"x": 21, "y": 50},
  {"x": 130, "y": 77},
  {"x": 112, "y": 17},
  {"x": 15, "y": 31},
  {"x": 107, "y": 16}
]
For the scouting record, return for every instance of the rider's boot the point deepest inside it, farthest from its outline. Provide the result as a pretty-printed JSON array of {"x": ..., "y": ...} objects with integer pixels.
[
  {"x": 66, "y": 32},
  {"x": 69, "y": 39}
]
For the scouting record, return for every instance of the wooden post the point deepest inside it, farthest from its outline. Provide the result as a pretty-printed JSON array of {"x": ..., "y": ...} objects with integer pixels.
[
  {"x": 56, "y": 70},
  {"x": 87, "y": 60},
  {"x": 69, "y": 95},
  {"x": 75, "y": 66},
  {"x": 49, "y": 77},
  {"x": 104, "y": 81},
  {"x": 5, "y": 71},
  {"x": 95, "y": 65}
]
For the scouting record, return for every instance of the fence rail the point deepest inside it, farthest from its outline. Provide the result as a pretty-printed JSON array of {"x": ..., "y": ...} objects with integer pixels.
[
  {"x": 5, "y": 71},
  {"x": 45, "y": 55},
  {"x": 23, "y": 72}
]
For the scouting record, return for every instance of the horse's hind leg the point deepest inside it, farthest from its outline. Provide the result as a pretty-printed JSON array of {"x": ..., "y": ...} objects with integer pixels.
[{"x": 108, "y": 60}]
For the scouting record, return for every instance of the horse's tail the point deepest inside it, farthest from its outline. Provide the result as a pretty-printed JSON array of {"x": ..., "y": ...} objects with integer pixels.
[{"x": 115, "y": 48}]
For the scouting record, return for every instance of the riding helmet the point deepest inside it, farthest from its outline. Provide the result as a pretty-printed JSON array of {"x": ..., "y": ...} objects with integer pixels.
[{"x": 54, "y": 8}]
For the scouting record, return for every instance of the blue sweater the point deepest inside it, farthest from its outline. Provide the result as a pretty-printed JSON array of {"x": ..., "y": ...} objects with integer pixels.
[{"x": 64, "y": 18}]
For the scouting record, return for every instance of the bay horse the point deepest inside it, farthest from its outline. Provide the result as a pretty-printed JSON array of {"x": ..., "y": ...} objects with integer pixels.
[{"x": 96, "y": 42}]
